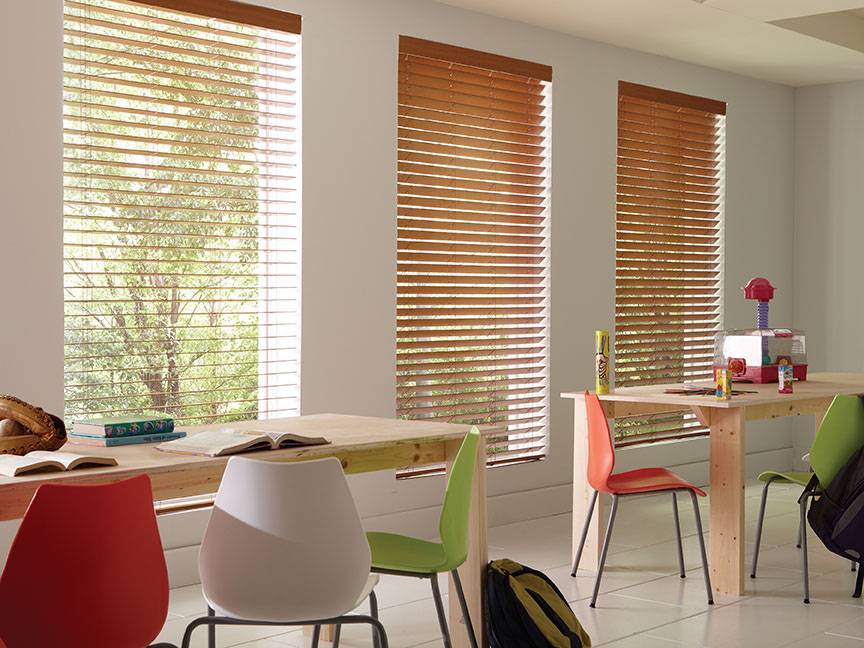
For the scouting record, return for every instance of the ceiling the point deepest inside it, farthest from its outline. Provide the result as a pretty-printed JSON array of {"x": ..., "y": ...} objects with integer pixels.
[{"x": 794, "y": 42}]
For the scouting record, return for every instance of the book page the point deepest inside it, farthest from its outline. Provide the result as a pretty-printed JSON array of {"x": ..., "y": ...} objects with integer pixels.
[
  {"x": 290, "y": 439},
  {"x": 13, "y": 465},
  {"x": 286, "y": 439},
  {"x": 215, "y": 443},
  {"x": 70, "y": 460}
]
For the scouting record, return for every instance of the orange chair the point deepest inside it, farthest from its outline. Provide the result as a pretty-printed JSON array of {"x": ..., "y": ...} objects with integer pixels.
[
  {"x": 86, "y": 569},
  {"x": 601, "y": 462}
]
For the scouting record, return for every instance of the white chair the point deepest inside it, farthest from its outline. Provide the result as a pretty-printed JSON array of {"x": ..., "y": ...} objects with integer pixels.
[{"x": 285, "y": 546}]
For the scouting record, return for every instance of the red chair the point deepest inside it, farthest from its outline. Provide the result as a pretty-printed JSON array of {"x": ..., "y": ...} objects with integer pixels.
[
  {"x": 86, "y": 569},
  {"x": 601, "y": 462}
]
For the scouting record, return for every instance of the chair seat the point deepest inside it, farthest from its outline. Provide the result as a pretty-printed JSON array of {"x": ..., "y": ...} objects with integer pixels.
[
  {"x": 371, "y": 582},
  {"x": 802, "y": 478},
  {"x": 401, "y": 553},
  {"x": 648, "y": 480}
]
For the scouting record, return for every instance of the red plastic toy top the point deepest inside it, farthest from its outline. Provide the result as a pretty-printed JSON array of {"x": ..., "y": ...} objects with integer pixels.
[{"x": 759, "y": 288}]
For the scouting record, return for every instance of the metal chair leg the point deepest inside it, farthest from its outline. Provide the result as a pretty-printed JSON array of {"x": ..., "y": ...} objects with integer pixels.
[
  {"x": 802, "y": 530},
  {"x": 605, "y": 550},
  {"x": 469, "y": 627},
  {"x": 678, "y": 534},
  {"x": 337, "y": 634},
  {"x": 316, "y": 636},
  {"x": 584, "y": 532},
  {"x": 211, "y": 629},
  {"x": 702, "y": 548},
  {"x": 439, "y": 608},
  {"x": 352, "y": 619},
  {"x": 759, "y": 527},
  {"x": 380, "y": 633},
  {"x": 373, "y": 612},
  {"x": 859, "y": 582}
]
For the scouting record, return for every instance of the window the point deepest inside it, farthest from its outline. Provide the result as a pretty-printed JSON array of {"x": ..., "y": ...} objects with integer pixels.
[
  {"x": 473, "y": 255},
  {"x": 669, "y": 247},
  {"x": 181, "y": 214}
]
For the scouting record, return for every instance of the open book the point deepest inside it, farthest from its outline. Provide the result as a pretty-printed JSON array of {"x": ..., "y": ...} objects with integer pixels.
[
  {"x": 216, "y": 443},
  {"x": 14, "y": 465}
]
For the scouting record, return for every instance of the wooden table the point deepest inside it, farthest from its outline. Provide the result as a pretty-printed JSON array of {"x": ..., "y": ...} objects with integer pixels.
[
  {"x": 727, "y": 421},
  {"x": 362, "y": 444}
]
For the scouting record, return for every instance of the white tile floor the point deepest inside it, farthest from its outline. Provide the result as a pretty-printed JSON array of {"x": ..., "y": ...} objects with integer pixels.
[{"x": 643, "y": 602}]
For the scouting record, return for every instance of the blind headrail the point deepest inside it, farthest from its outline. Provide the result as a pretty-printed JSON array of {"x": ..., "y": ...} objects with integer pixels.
[
  {"x": 672, "y": 98},
  {"x": 240, "y": 12},
  {"x": 465, "y": 56}
]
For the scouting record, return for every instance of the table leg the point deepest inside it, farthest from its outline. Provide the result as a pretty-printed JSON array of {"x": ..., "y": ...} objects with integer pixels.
[
  {"x": 582, "y": 493},
  {"x": 726, "y": 535},
  {"x": 327, "y": 632},
  {"x": 473, "y": 572}
]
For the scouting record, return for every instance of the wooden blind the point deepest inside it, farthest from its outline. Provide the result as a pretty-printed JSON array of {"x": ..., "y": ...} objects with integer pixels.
[
  {"x": 473, "y": 259},
  {"x": 669, "y": 247},
  {"x": 181, "y": 219}
]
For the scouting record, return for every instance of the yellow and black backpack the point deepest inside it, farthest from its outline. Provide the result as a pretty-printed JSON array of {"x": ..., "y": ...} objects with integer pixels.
[{"x": 524, "y": 609}]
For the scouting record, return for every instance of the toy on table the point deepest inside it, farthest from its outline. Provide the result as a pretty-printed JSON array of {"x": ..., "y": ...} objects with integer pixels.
[
  {"x": 784, "y": 376},
  {"x": 724, "y": 384},
  {"x": 754, "y": 355}
]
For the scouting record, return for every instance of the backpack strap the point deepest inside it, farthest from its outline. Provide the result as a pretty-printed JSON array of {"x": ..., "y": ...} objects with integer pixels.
[{"x": 811, "y": 487}]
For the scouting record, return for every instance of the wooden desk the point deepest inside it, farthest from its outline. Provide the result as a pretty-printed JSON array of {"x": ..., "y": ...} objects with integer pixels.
[
  {"x": 362, "y": 444},
  {"x": 727, "y": 421}
]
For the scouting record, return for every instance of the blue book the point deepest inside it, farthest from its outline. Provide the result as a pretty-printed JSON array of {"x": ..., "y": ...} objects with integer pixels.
[
  {"x": 123, "y": 426},
  {"x": 124, "y": 440}
]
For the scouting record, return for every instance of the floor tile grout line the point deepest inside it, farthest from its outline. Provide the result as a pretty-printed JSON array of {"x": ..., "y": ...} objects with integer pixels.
[{"x": 843, "y": 636}]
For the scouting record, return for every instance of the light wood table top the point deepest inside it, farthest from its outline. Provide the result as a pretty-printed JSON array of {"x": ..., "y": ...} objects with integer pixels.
[
  {"x": 817, "y": 385},
  {"x": 361, "y": 443}
]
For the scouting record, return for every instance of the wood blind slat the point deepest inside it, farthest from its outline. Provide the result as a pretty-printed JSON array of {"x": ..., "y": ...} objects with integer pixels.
[
  {"x": 434, "y": 74},
  {"x": 468, "y": 88}
]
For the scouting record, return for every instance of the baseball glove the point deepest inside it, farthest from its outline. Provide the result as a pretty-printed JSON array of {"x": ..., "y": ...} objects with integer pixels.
[{"x": 41, "y": 431}]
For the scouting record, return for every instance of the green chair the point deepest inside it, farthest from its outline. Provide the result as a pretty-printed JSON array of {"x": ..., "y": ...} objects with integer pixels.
[
  {"x": 405, "y": 556},
  {"x": 840, "y": 434}
]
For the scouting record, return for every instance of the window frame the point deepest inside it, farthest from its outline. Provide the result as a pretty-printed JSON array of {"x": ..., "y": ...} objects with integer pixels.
[
  {"x": 669, "y": 248},
  {"x": 267, "y": 235},
  {"x": 449, "y": 98}
]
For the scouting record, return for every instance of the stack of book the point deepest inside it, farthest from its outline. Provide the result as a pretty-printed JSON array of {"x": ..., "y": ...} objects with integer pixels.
[{"x": 124, "y": 430}]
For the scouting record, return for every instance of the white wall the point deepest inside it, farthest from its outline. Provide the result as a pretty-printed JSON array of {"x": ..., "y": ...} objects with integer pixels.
[
  {"x": 829, "y": 227},
  {"x": 349, "y": 225},
  {"x": 31, "y": 208},
  {"x": 349, "y": 190}
]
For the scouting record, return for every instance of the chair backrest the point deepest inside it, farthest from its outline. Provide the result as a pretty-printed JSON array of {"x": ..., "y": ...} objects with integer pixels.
[
  {"x": 840, "y": 434},
  {"x": 601, "y": 452},
  {"x": 284, "y": 542},
  {"x": 453, "y": 524},
  {"x": 86, "y": 569}
]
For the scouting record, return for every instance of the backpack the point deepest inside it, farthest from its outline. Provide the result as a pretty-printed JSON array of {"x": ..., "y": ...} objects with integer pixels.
[
  {"x": 524, "y": 609},
  {"x": 837, "y": 516}
]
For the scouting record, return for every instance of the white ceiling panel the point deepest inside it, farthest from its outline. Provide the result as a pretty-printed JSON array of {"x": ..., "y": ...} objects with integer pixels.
[{"x": 731, "y": 35}]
